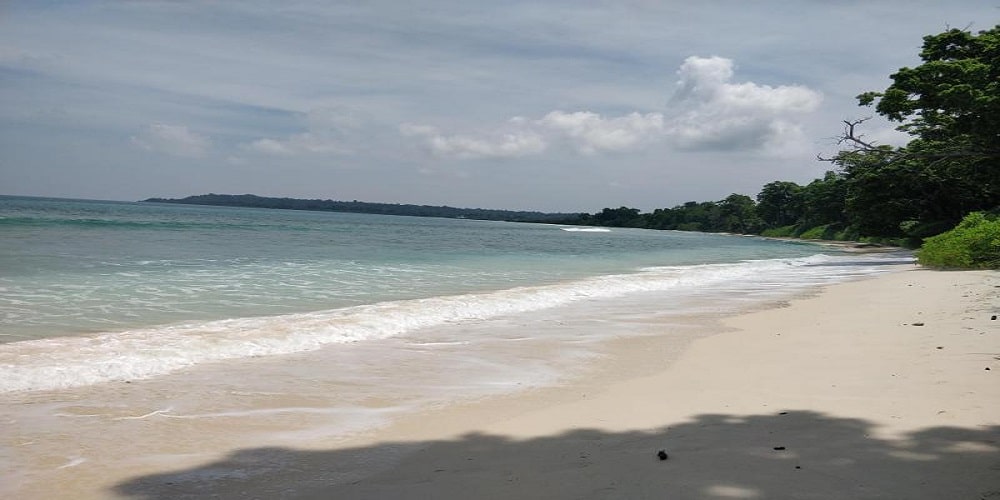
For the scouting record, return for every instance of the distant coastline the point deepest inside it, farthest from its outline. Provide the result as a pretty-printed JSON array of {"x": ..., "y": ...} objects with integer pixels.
[{"x": 254, "y": 201}]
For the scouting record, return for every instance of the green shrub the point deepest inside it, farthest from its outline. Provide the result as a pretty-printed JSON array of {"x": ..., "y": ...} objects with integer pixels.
[
  {"x": 815, "y": 233},
  {"x": 916, "y": 230},
  {"x": 779, "y": 232},
  {"x": 973, "y": 244},
  {"x": 824, "y": 232},
  {"x": 847, "y": 234}
]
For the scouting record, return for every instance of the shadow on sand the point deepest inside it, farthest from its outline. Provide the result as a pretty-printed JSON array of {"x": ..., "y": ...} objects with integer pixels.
[{"x": 790, "y": 455}]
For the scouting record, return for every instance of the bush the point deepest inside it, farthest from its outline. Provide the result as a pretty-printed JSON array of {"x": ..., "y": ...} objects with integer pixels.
[
  {"x": 847, "y": 234},
  {"x": 917, "y": 230},
  {"x": 780, "y": 232},
  {"x": 824, "y": 232},
  {"x": 973, "y": 244}
]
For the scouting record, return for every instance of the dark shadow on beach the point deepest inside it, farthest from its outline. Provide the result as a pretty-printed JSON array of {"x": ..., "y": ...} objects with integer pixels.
[{"x": 788, "y": 455}]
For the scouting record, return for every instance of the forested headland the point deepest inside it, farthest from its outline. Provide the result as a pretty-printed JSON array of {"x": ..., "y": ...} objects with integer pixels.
[
  {"x": 254, "y": 201},
  {"x": 948, "y": 173}
]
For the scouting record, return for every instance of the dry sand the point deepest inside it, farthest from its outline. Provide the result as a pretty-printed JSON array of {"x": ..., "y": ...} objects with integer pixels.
[{"x": 880, "y": 388}]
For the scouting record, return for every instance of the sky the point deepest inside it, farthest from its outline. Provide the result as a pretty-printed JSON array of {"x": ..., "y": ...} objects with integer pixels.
[{"x": 560, "y": 106}]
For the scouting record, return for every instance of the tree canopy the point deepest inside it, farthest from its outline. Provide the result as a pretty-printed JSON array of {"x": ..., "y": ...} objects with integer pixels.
[
  {"x": 951, "y": 102},
  {"x": 950, "y": 106}
]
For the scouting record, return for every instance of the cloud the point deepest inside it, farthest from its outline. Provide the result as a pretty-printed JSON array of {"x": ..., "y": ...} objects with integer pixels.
[
  {"x": 591, "y": 133},
  {"x": 306, "y": 143},
  {"x": 516, "y": 141},
  {"x": 707, "y": 112},
  {"x": 174, "y": 140},
  {"x": 711, "y": 113},
  {"x": 330, "y": 130},
  {"x": 587, "y": 132}
]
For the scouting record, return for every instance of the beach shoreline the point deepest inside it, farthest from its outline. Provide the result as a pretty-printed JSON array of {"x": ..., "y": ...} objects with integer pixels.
[{"x": 877, "y": 388}]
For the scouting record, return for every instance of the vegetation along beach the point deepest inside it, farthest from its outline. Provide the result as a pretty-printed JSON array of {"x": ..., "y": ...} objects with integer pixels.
[{"x": 422, "y": 298}]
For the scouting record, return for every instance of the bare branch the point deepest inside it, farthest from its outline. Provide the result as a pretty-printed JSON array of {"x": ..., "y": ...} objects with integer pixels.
[
  {"x": 856, "y": 144},
  {"x": 850, "y": 137}
]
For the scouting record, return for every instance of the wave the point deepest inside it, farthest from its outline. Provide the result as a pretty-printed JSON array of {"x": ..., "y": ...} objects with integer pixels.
[
  {"x": 77, "y": 361},
  {"x": 98, "y": 223},
  {"x": 586, "y": 229}
]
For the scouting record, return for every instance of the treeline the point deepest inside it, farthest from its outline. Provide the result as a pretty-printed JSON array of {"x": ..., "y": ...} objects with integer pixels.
[
  {"x": 782, "y": 208},
  {"x": 950, "y": 107},
  {"x": 254, "y": 201}
]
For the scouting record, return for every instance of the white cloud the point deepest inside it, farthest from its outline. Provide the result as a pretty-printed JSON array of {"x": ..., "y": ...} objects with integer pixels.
[
  {"x": 707, "y": 112},
  {"x": 174, "y": 140},
  {"x": 76, "y": 73},
  {"x": 591, "y": 133},
  {"x": 516, "y": 141},
  {"x": 330, "y": 131},
  {"x": 713, "y": 113},
  {"x": 306, "y": 143},
  {"x": 587, "y": 132}
]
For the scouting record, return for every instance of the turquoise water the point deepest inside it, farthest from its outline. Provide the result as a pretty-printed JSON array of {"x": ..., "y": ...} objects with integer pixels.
[{"x": 95, "y": 291}]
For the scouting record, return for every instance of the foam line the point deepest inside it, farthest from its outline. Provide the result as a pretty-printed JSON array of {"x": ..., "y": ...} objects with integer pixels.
[{"x": 76, "y": 361}]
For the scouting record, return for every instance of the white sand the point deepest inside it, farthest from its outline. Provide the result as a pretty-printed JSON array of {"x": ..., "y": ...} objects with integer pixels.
[
  {"x": 864, "y": 403},
  {"x": 840, "y": 395}
]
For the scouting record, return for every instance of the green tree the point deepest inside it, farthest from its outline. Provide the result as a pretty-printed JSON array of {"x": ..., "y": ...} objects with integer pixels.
[
  {"x": 738, "y": 214},
  {"x": 950, "y": 105},
  {"x": 617, "y": 217},
  {"x": 882, "y": 194},
  {"x": 779, "y": 203},
  {"x": 824, "y": 200},
  {"x": 952, "y": 100}
]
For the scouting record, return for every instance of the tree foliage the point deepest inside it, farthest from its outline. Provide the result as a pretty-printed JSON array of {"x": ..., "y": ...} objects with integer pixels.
[
  {"x": 823, "y": 201},
  {"x": 616, "y": 217},
  {"x": 780, "y": 203},
  {"x": 950, "y": 105},
  {"x": 952, "y": 100}
]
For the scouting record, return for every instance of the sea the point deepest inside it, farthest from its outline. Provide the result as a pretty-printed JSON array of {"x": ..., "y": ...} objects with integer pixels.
[{"x": 306, "y": 325}]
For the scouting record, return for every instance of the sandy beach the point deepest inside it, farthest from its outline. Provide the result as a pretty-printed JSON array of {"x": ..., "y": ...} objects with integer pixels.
[{"x": 879, "y": 388}]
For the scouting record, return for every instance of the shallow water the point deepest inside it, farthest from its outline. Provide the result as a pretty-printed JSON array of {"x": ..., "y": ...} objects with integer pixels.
[{"x": 92, "y": 292}]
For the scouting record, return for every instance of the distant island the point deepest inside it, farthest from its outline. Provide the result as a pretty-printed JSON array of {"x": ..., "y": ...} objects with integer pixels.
[{"x": 361, "y": 207}]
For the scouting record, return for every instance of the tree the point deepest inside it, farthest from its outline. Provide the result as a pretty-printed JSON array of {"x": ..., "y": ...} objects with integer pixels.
[
  {"x": 617, "y": 217},
  {"x": 738, "y": 214},
  {"x": 950, "y": 105},
  {"x": 952, "y": 100},
  {"x": 824, "y": 201},
  {"x": 779, "y": 203},
  {"x": 881, "y": 194}
]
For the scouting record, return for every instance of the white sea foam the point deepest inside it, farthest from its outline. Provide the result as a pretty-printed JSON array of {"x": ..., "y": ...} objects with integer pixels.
[
  {"x": 586, "y": 229},
  {"x": 76, "y": 361}
]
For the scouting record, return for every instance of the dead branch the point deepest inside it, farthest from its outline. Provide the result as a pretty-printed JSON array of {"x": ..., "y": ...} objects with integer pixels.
[{"x": 856, "y": 143}]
